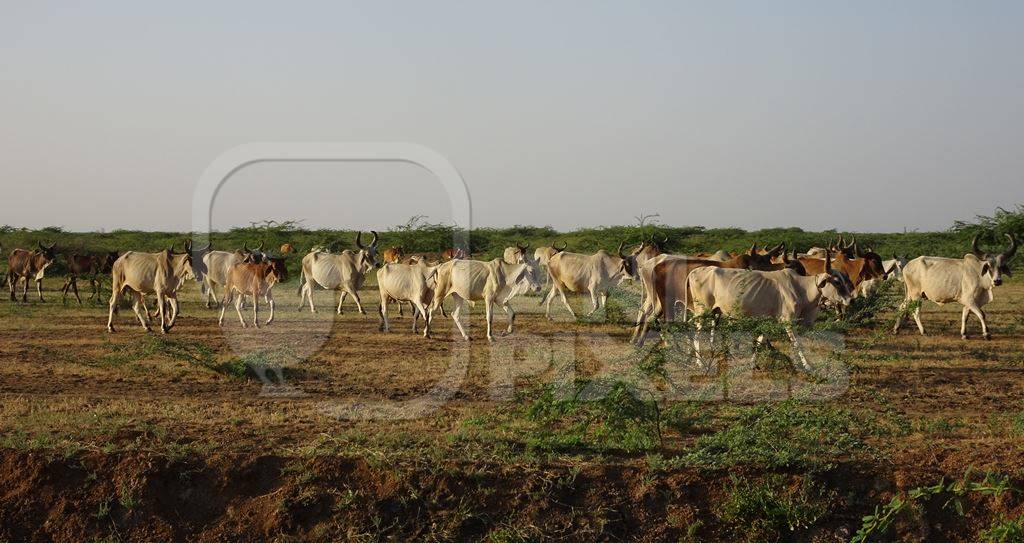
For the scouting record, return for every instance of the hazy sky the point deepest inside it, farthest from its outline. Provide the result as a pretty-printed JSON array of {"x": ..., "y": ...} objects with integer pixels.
[{"x": 858, "y": 115}]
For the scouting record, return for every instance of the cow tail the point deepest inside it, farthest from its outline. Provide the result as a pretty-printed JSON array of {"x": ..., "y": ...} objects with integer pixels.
[{"x": 302, "y": 280}]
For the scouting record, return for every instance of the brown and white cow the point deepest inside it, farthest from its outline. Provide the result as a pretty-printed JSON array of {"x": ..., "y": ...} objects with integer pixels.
[
  {"x": 254, "y": 279},
  {"x": 89, "y": 266},
  {"x": 23, "y": 264},
  {"x": 785, "y": 295},
  {"x": 150, "y": 273},
  {"x": 663, "y": 281}
]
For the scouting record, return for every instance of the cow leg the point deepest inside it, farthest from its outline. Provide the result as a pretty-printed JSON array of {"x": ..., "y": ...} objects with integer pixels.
[
  {"x": 963, "y": 322},
  {"x": 415, "y": 314},
  {"x": 402, "y": 314},
  {"x": 359, "y": 303},
  {"x": 460, "y": 304},
  {"x": 489, "y": 313},
  {"x": 561, "y": 294},
  {"x": 422, "y": 308},
  {"x": 223, "y": 307},
  {"x": 39, "y": 288},
  {"x": 901, "y": 314},
  {"x": 74, "y": 286},
  {"x": 140, "y": 302},
  {"x": 24, "y": 292},
  {"x": 64, "y": 290},
  {"x": 307, "y": 292},
  {"x": 798, "y": 349},
  {"x": 341, "y": 300},
  {"x": 385, "y": 326},
  {"x": 112, "y": 310},
  {"x": 511, "y": 318},
  {"x": 594, "y": 301},
  {"x": 917, "y": 318},
  {"x": 238, "y": 309},
  {"x": 161, "y": 309},
  {"x": 173, "y": 302},
  {"x": 270, "y": 302},
  {"x": 255, "y": 310},
  {"x": 984, "y": 325}
]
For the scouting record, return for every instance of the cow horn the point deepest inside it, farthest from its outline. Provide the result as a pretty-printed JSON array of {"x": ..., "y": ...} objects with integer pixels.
[
  {"x": 621, "y": 243},
  {"x": 974, "y": 248},
  {"x": 1013, "y": 247},
  {"x": 188, "y": 246},
  {"x": 828, "y": 262},
  {"x": 262, "y": 243},
  {"x": 555, "y": 246},
  {"x": 780, "y": 248},
  {"x": 521, "y": 247},
  {"x": 373, "y": 242},
  {"x": 753, "y": 249},
  {"x": 856, "y": 250},
  {"x": 40, "y": 244},
  {"x": 171, "y": 250},
  {"x": 245, "y": 246},
  {"x": 853, "y": 242},
  {"x": 359, "y": 240}
]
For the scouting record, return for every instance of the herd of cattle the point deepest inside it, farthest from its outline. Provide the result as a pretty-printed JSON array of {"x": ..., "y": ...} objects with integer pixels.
[{"x": 790, "y": 287}]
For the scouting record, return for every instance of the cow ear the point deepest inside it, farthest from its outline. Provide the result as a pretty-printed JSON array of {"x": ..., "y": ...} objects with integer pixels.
[
  {"x": 986, "y": 268},
  {"x": 824, "y": 280}
]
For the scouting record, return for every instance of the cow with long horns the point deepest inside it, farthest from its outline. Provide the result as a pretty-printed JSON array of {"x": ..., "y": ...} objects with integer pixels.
[
  {"x": 967, "y": 281},
  {"x": 593, "y": 274},
  {"x": 344, "y": 272}
]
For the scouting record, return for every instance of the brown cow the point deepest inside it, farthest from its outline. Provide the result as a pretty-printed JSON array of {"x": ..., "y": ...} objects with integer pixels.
[
  {"x": 454, "y": 253},
  {"x": 255, "y": 279},
  {"x": 867, "y": 265},
  {"x": 87, "y": 265},
  {"x": 664, "y": 281},
  {"x": 393, "y": 255},
  {"x": 22, "y": 264},
  {"x": 287, "y": 249}
]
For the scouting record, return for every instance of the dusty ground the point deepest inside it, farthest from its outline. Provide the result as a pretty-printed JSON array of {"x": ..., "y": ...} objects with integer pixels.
[{"x": 133, "y": 436}]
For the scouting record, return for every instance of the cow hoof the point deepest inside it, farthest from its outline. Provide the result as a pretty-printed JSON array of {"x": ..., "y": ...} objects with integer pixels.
[
  {"x": 110, "y": 329},
  {"x": 490, "y": 340},
  {"x": 988, "y": 336},
  {"x": 963, "y": 336}
]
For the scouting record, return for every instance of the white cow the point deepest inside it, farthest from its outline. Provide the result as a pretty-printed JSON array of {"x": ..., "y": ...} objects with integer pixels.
[
  {"x": 150, "y": 273},
  {"x": 594, "y": 274},
  {"x": 344, "y": 272},
  {"x": 413, "y": 283},
  {"x": 494, "y": 282},
  {"x": 967, "y": 281},
  {"x": 785, "y": 295}
]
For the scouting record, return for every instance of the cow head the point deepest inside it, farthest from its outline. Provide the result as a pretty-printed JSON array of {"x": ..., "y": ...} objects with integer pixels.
[
  {"x": 287, "y": 249},
  {"x": 181, "y": 264},
  {"x": 527, "y": 276},
  {"x": 198, "y": 263},
  {"x": 367, "y": 253},
  {"x": 255, "y": 255},
  {"x": 628, "y": 267},
  {"x": 278, "y": 268},
  {"x": 793, "y": 263},
  {"x": 764, "y": 261},
  {"x": 645, "y": 251},
  {"x": 44, "y": 255},
  {"x": 393, "y": 254},
  {"x": 834, "y": 286},
  {"x": 999, "y": 264},
  {"x": 107, "y": 261}
]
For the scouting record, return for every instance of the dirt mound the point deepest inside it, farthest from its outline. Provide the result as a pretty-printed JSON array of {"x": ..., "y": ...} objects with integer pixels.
[{"x": 141, "y": 497}]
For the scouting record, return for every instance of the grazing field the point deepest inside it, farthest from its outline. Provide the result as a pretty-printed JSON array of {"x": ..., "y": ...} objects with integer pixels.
[{"x": 559, "y": 432}]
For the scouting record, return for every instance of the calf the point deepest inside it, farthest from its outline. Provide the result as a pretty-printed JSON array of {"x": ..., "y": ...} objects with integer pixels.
[
  {"x": 254, "y": 279},
  {"x": 87, "y": 265},
  {"x": 23, "y": 264}
]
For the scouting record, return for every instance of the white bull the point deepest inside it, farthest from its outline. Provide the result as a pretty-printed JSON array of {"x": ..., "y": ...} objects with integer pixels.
[
  {"x": 344, "y": 272},
  {"x": 494, "y": 282},
  {"x": 594, "y": 274},
  {"x": 542, "y": 255},
  {"x": 785, "y": 295},
  {"x": 413, "y": 283},
  {"x": 150, "y": 273}
]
